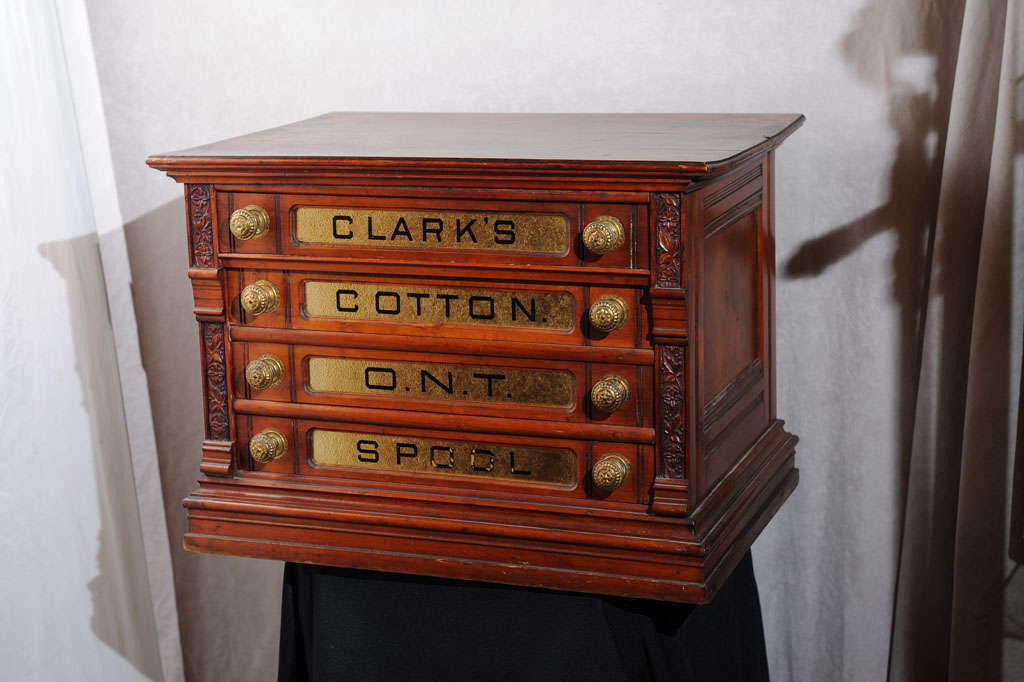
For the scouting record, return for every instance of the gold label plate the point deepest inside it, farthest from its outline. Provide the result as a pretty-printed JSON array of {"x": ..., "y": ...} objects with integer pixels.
[
  {"x": 434, "y": 305},
  {"x": 436, "y": 381},
  {"x": 519, "y": 232},
  {"x": 406, "y": 453}
]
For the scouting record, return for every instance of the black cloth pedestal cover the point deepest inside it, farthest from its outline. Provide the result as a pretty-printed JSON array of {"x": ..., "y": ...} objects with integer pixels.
[{"x": 341, "y": 624}]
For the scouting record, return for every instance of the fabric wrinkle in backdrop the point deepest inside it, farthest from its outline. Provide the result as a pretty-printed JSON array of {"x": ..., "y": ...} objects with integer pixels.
[
  {"x": 900, "y": 248},
  {"x": 84, "y": 530}
]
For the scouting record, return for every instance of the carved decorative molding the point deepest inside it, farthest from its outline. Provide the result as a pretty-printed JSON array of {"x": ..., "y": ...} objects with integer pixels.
[
  {"x": 719, "y": 406},
  {"x": 216, "y": 459},
  {"x": 672, "y": 380},
  {"x": 216, "y": 382},
  {"x": 200, "y": 223},
  {"x": 742, "y": 208},
  {"x": 728, "y": 188},
  {"x": 668, "y": 221}
]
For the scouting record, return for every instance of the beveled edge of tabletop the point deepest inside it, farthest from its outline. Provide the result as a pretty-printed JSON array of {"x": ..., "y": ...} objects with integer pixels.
[{"x": 193, "y": 165}]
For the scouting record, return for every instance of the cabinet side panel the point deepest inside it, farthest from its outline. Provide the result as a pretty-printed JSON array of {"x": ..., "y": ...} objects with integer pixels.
[{"x": 731, "y": 349}]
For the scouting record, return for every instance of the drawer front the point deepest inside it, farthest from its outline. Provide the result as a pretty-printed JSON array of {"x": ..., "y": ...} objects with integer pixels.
[
  {"x": 438, "y": 231},
  {"x": 564, "y": 314},
  {"x": 501, "y": 465},
  {"x": 552, "y": 390}
]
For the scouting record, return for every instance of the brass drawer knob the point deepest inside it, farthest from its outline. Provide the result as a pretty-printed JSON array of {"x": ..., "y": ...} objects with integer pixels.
[
  {"x": 260, "y": 297},
  {"x": 608, "y": 313},
  {"x": 604, "y": 234},
  {"x": 610, "y": 393},
  {"x": 268, "y": 445},
  {"x": 264, "y": 372},
  {"x": 251, "y": 222},
  {"x": 610, "y": 472}
]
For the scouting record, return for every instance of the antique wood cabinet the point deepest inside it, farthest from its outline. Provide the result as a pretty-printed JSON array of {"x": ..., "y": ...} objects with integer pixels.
[{"x": 528, "y": 349}]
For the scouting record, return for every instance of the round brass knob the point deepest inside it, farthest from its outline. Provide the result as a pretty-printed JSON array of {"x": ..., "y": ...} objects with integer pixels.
[
  {"x": 251, "y": 222},
  {"x": 264, "y": 372},
  {"x": 608, "y": 313},
  {"x": 610, "y": 472},
  {"x": 604, "y": 234},
  {"x": 268, "y": 445},
  {"x": 260, "y": 297},
  {"x": 610, "y": 393}
]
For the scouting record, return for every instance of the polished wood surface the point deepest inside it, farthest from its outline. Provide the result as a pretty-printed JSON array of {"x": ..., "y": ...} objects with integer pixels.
[
  {"x": 431, "y": 147},
  {"x": 708, "y": 462},
  {"x": 649, "y": 138}
]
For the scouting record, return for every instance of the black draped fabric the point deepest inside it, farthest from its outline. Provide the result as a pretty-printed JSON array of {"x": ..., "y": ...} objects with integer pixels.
[{"x": 339, "y": 624}]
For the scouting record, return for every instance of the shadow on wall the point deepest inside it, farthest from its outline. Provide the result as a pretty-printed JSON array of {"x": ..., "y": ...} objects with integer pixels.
[
  {"x": 919, "y": 115},
  {"x": 228, "y": 608},
  {"x": 122, "y": 608},
  {"x": 909, "y": 49}
]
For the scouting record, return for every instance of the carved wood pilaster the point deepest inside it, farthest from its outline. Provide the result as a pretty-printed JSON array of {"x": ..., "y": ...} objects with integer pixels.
[
  {"x": 668, "y": 228},
  {"x": 214, "y": 360},
  {"x": 200, "y": 226},
  {"x": 217, "y": 447},
  {"x": 208, "y": 292},
  {"x": 670, "y": 326},
  {"x": 672, "y": 431}
]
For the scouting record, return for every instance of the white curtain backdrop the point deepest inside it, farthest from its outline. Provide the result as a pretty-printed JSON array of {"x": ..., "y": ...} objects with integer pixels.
[
  {"x": 900, "y": 248},
  {"x": 86, "y": 577}
]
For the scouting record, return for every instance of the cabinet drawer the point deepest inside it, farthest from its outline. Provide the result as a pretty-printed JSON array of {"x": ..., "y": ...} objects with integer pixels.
[
  {"x": 564, "y": 314},
  {"x": 425, "y": 231},
  {"x": 385, "y": 457},
  {"x": 502, "y": 387}
]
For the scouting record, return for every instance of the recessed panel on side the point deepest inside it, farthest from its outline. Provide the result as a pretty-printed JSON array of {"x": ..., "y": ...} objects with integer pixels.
[
  {"x": 729, "y": 305},
  {"x": 732, "y": 371}
]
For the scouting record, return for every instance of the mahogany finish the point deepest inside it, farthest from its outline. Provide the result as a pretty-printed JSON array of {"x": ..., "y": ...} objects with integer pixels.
[{"x": 708, "y": 461}]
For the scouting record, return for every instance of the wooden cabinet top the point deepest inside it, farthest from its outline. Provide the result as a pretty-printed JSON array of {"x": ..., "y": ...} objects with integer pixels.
[{"x": 678, "y": 145}]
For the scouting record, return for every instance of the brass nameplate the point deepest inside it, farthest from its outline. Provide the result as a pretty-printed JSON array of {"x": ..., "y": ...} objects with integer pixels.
[
  {"x": 442, "y": 381},
  {"x": 398, "y": 303},
  {"x": 523, "y": 232},
  {"x": 406, "y": 453}
]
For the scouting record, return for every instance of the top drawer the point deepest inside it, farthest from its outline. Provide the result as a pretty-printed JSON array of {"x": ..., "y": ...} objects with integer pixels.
[{"x": 434, "y": 230}]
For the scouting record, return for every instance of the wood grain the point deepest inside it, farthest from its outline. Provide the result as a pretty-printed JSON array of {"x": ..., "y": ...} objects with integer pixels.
[
  {"x": 709, "y": 462},
  {"x": 668, "y": 138}
]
